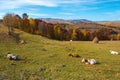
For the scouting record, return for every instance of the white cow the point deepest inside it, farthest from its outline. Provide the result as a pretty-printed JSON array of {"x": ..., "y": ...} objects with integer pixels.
[
  {"x": 92, "y": 61},
  {"x": 89, "y": 61},
  {"x": 113, "y": 52}
]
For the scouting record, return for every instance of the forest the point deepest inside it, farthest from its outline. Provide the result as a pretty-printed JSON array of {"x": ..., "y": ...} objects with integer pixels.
[{"x": 59, "y": 31}]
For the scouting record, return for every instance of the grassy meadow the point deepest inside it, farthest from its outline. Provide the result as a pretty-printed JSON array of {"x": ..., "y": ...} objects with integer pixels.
[{"x": 45, "y": 59}]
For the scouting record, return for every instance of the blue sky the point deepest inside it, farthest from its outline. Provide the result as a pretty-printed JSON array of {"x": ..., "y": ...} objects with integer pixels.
[{"x": 95, "y": 10}]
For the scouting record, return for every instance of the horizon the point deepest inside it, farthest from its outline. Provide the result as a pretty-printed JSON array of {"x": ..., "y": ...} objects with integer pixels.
[{"x": 94, "y": 10}]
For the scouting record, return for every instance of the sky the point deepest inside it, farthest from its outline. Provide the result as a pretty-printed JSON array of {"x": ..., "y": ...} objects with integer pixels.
[{"x": 94, "y": 10}]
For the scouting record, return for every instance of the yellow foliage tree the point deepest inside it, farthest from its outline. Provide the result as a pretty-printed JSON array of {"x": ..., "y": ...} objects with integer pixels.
[
  {"x": 118, "y": 36},
  {"x": 73, "y": 36},
  {"x": 84, "y": 32},
  {"x": 32, "y": 25},
  {"x": 57, "y": 32},
  {"x": 10, "y": 21}
]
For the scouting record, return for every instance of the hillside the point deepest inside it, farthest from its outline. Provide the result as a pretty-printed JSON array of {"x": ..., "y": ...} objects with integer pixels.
[
  {"x": 84, "y": 24},
  {"x": 117, "y": 24},
  {"x": 45, "y": 59},
  {"x": 79, "y": 30},
  {"x": 112, "y": 25}
]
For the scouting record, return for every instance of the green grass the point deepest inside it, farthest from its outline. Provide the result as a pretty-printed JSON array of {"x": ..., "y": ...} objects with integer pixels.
[{"x": 44, "y": 59}]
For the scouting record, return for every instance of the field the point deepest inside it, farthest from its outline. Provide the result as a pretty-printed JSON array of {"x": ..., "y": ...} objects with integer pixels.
[{"x": 45, "y": 59}]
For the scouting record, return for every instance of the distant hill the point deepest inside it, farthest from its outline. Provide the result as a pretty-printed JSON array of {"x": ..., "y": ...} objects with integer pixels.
[
  {"x": 55, "y": 20},
  {"x": 80, "y": 20},
  {"x": 113, "y": 25},
  {"x": 117, "y": 24},
  {"x": 84, "y": 23}
]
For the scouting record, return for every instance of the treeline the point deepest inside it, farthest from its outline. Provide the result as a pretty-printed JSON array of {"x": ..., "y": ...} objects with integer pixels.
[{"x": 56, "y": 31}]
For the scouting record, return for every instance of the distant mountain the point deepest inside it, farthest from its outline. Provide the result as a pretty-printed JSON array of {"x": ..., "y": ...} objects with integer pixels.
[
  {"x": 117, "y": 24},
  {"x": 84, "y": 24},
  {"x": 80, "y": 20},
  {"x": 55, "y": 20}
]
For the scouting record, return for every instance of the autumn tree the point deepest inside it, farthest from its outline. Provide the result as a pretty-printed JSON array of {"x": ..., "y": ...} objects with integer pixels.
[
  {"x": 103, "y": 34},
  {"x": 118, "y": 36},
  {"x": 68, "y": 34},
  {"x": 85, "y": 34},
  {"x": 64, "y": 33},
  {"x": 32, "y": 25},
  {"x": 93, "y": 34},
  {"x": 74, "y": 34},
  {"x": 10, "y": 21},
  {"x": 36, "y": 27},
  {"x": 79, "y": 34},
  {"x": 51, "y": 30},
  {"x": 17, "y": 21},
  {"x": 25, "y": 16},
  {"x": 42, "y": 28},
  {"x": 57, "y": 32},
  {"x": 25, "y": 25}
]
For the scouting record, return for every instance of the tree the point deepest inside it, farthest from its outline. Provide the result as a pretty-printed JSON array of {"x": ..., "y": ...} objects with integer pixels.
[
  {"x": 79, "y": 34},
  {"x": 36, "y": 27},
  {"x": 25, "y": 25},
  {"x": 103, "y": 34},
  {"x": 42, "y": 28},
  {"x": 17, "y": 16},
  {"x": 118, "y": 36},
  {"x": 32, "y": 25},
  {"x": 9, "y": 20},
  {"x": 57, "y": 32},
  {"x": 25, "y": 16},
  {"x": 17, "y": 21},
  {"x": 85, "y": 34},
  {"x": 74, "y": 34}
]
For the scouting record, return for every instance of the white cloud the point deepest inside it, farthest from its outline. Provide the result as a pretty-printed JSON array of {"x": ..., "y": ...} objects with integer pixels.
[
  {"x": 78, "y": 8},
  {"x": 37, "y": 15},
  {"x": 69, "y": 7},
  {"x": 113, "y": 15},
  {"x": 8, "y": 4},
  {"x": 2, "y": 15},
  {"x": 75, "y": 1},
  {"x": 33, "y": 9},
  {"x": 117, "y": 12},
  {"x": 41, "y": 3},
  {"x": 66, "y": 13},
  {"x": 12, "y": 4}
]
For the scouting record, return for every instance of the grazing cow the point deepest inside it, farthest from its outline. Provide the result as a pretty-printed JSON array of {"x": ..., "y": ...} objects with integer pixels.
[
  {"x": 74, "y": 55},
  {"x": 22, "y": 42},
  {"x": 11, "y": 56},
  {"x": 113, "y": 52},
  {"x": 89, "y": 61},
  {"x": 92, "y": 61}
]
